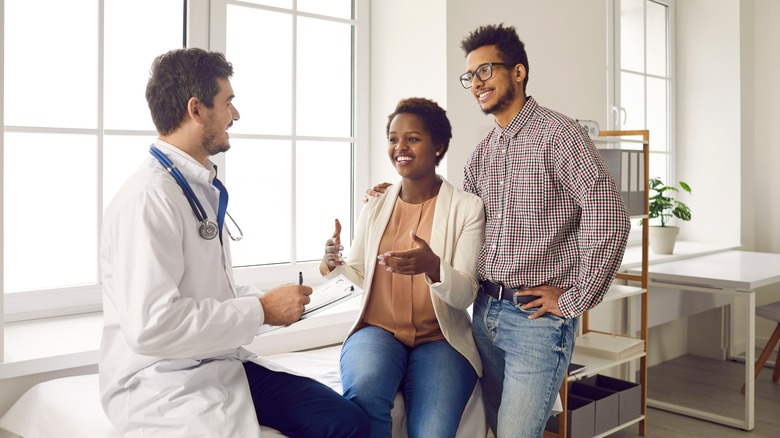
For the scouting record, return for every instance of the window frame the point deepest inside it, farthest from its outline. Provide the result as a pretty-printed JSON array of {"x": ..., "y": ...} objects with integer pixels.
[
  {"x": 203, "y": 19},
  {"x": 615, "y": 111}
]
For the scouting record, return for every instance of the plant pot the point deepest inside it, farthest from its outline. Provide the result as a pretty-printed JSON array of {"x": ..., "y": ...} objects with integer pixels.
[{"x": 662, "y": 239}]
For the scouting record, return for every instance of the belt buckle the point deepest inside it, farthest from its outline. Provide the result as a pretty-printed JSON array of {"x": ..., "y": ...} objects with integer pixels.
[{"x": 500, "y": 292}]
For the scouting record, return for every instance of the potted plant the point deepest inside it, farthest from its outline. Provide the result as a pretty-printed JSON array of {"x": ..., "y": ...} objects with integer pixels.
[{"x": 663, "y": 206}]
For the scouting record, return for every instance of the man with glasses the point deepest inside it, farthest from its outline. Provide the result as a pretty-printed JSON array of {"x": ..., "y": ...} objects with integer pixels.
[
  {"x": 171, "y": 358},
  {"x": 555, "y": 234}
]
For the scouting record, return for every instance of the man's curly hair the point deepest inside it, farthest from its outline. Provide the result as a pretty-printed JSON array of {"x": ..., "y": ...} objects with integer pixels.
[{"x": 510, "y": 48}]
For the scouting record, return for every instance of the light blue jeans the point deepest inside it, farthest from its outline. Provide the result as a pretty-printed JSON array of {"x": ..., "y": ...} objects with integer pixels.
[
  {"x": 524, "y": 362},
  {"x": 437, "y": 382}
]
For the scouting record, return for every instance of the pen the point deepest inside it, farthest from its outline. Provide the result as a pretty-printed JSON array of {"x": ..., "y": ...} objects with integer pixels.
[{"x": 300, "y": 277}]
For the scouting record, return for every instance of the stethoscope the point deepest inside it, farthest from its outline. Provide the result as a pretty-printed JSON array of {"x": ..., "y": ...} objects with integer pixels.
[{"x": 208, "y": 229}]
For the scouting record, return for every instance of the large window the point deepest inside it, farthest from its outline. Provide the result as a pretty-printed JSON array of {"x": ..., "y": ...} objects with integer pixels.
[
  {"x": 289, "y": 168},
  {"x": 642, "y": 83},
  {"x": 76, "y": 125}
]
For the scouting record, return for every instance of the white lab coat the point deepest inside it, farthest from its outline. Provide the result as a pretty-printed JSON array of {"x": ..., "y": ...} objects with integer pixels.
[{"x": 174, "y": 320}]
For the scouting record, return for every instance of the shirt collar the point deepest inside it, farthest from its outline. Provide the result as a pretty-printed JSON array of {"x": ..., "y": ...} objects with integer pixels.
[
  {"x": 520, "y": 119},
  {"x": 186, "y": 164}
]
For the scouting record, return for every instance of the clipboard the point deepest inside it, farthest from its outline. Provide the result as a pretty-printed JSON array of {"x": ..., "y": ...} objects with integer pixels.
[{"x": 334, "y": 291}]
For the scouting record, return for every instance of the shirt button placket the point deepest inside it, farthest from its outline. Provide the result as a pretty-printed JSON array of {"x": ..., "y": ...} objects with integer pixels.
[{"x": 500, "y": 213}]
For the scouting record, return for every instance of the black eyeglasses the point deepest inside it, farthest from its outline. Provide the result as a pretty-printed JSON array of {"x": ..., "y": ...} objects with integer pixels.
[{"x": 483, "y": 72}]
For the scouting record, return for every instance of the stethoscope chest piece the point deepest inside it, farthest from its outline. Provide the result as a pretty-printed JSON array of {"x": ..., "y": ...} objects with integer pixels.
[{"x": 208, "y": 230}]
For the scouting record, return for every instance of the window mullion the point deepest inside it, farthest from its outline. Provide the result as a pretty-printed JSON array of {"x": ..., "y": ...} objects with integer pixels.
[
  {"x": 100, "y": 132},
  {"x": 294, "y": 143}
]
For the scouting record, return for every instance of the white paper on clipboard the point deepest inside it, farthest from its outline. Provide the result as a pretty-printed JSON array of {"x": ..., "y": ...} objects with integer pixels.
[{"x": 334, "y": 291}]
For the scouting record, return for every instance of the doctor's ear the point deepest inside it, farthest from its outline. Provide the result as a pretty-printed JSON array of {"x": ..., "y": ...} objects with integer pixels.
[{"x": 193, "y": 107}]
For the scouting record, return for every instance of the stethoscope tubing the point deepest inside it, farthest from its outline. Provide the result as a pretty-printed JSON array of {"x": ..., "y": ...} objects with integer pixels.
[{"x": 197, "y": 207}]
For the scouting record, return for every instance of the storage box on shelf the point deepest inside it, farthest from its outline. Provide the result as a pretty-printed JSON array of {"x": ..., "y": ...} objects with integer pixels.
[
  {"x": 629, "y": 395},
  {"x": 605, "y": 405},
  {"x": 632, "y": 177},
  {"x": 580, "y": 418}
]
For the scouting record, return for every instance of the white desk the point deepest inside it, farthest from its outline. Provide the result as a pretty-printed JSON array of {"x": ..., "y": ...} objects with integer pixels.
[{"x": 733, "y": 273}]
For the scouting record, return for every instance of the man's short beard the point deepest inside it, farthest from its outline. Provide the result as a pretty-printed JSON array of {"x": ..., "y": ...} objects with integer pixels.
[
  {"x": 212, "y": 146},
  {"x": 503, "y": 103}
]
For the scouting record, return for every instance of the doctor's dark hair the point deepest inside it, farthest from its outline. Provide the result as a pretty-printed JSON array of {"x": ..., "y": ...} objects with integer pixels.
[
  {"x": 178, "y": 75},
  {"x": 510, "y": 48},
  {"x": 434, "y": 120}
]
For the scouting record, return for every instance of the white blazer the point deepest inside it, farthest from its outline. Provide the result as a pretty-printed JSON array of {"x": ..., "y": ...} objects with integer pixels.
[{"x": 457, "y": 236}]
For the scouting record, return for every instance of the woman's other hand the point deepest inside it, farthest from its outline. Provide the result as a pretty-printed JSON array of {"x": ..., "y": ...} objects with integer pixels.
[{"x": 333, "y": 248}]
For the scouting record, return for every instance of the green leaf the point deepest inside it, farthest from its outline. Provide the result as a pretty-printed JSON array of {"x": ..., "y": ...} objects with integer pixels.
[{"x": 663, "y": 206}]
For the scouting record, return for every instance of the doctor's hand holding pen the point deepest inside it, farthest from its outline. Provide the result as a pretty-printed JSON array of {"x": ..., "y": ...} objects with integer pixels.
[
  {"x": 283, "y": 305},
  {"x": 333, "y": 248}
]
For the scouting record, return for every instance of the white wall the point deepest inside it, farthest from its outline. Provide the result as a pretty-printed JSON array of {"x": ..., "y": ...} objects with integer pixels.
[
  {"x": 407, "y": 60},
  {"x": 761, "y": 153},
  {"x": 728, "y": 62},
  {"x": 708, "y": 116}
]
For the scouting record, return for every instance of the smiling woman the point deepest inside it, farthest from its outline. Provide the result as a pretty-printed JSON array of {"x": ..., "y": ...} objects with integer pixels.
[{"x": 415, "y": 256}]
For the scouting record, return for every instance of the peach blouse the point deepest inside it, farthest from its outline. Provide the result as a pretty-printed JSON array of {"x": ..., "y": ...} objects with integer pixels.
[{"x": 401, "y": 304}]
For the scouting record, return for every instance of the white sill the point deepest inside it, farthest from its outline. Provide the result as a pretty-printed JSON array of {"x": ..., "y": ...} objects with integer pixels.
[
  {"x": 64, "y": 342},
  {"x": 51, "y": 344},
  {"x": 632, "y": 258}
]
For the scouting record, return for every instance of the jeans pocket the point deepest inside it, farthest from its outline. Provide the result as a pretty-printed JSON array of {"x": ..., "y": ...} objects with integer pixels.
[
  {"x": 522, "y": 301},
  {"x": 547, "y": 315}
]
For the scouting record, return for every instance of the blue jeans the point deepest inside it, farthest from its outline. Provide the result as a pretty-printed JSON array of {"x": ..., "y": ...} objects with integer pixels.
[
  {"x": 301, "y": 407},
  {"x": 524, "y": 362},
  {"x": 437, "y": 382}
]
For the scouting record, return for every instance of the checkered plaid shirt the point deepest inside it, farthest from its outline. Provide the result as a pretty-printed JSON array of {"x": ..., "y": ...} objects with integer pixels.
[{"x": 554, "y": 215}]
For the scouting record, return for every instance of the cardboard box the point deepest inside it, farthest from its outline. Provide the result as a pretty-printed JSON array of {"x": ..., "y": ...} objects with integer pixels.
[
  {"x": 580, "y": 415},
  {"x": 629, "y": 395},
  {"x": 606, "y": 405}
]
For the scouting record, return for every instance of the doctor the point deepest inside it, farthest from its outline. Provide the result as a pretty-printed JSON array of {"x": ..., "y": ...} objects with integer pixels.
[{"x": 171, "y": 361}]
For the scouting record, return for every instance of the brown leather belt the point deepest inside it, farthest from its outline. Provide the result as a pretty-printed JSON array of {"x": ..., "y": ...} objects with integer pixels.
[{"x": 500, "y": 292}]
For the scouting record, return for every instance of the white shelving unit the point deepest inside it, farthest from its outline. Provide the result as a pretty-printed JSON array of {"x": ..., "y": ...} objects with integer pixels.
[{"x": 592, "y": 364}]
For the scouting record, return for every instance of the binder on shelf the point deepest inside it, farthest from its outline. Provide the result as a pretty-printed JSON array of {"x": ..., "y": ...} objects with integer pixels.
[
  {"x": 627, "y": 167},
  {"x": 608, "y": 346}
]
